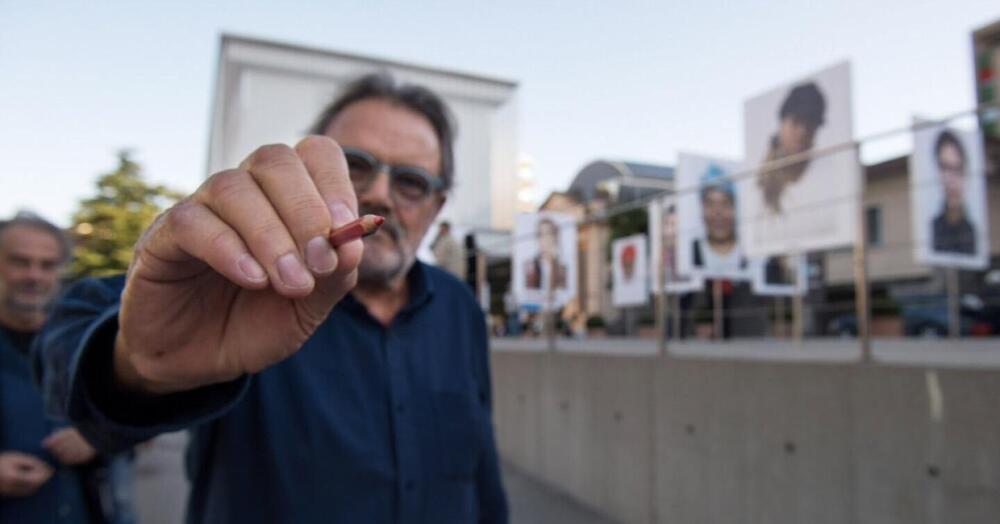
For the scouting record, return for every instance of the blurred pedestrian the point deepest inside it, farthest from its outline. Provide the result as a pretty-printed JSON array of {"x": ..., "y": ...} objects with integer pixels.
[
  {"x": 448, "y": 253},
  {"x": 46, "y": 466}
]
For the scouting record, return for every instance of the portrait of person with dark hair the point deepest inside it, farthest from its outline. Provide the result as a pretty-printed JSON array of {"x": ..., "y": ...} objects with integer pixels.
[
  {"x": 718, "y": 253},
  {"x": 778, "y": 272},
  {"x": 780, "y": 275},
  {"x": 537, "y": 270},
  {"x": 951, "y": 230},
  {"x": 949, "y": 197},
  {"x": 804, "y": 170},
  {"x": 801, "y": 114}
]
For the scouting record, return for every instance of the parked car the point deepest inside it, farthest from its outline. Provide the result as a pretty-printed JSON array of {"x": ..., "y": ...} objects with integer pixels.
[
  {"x": 930, "y": 319},
  {"x": 844, "y": 326},
  {"x": 990, "y": 295},
  {"x": 927, "y": 316}
]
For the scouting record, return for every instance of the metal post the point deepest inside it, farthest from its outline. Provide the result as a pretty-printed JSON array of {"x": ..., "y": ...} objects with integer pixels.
[
  {"x": 779, "y": 317},
  {"x": 660, "y": 306},
  {"x": 717, "y": 308},
  {"x": 677, "y": 317},
  {"x": 862, "y": 310},
  {"x": 797, "y": 318},
  {"x": 954, "y": 313},
  {"x": 550, "y": 313}
]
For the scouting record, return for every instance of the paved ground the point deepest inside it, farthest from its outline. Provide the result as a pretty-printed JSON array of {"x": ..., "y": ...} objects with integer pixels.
[
  {"x": 161, "y": 491},
  {"x": 534, "y": 503}
]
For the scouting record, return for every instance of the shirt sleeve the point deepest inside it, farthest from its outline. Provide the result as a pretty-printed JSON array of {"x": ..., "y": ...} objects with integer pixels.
[
  {"x": 72, "y": 364},
  {"x": 489, "y": 486}
]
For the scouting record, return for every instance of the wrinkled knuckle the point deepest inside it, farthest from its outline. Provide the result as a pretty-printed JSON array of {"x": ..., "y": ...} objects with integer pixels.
[
  {"x": 273, "y": 156},
  {"x": 219, "y": 241},
  {"x": 311, "y": 214},
  {"x": 181, "y": 217},
  {"x": 224, "y": 183},
  {"x": 264, "y": 236}
]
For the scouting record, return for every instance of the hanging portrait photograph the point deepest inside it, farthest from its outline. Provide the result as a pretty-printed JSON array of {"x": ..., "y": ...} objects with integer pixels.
[
  {"x": 802, "y": 194},
  {"x": 948, "y": 196},
  {"x": 708, "y": 233},
  {"x": 629, "y": 275},
  {"x": 781, "y": 275},
  {"x": 663, "y": 249},
  {"x": 544, "y": 258}
]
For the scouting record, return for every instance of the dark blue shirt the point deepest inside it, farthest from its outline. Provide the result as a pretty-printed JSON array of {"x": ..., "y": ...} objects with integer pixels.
[
  {"x": 364, "y": 424},
  {"x": 23, "y": 426}
]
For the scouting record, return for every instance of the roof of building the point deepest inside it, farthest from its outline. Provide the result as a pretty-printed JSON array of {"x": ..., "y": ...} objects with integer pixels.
[{"x": 586, "y": 182}]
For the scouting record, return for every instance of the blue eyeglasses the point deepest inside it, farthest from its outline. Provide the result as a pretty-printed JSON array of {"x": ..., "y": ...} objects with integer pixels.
[{"x": 409, "y": 183}]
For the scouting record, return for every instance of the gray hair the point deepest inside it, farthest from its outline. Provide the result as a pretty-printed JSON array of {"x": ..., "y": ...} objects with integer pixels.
[
  {"x": 34, "y": 220},
  {"x": 423, "y": 101}
]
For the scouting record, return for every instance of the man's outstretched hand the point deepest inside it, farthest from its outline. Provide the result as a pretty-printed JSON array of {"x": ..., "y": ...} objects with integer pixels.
[{"x": 237, "y": 276}]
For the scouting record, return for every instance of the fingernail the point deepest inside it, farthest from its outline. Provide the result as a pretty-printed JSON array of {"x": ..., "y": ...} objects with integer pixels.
[
  {"x": 251, "y": 269},
  {"x": 341, "y": 214},
  {"x": 292, "y": 272},
  {"x": 320, "y": 256}
]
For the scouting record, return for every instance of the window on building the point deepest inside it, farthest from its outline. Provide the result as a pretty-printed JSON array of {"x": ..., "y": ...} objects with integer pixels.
[{"x": 873, "y": 221}]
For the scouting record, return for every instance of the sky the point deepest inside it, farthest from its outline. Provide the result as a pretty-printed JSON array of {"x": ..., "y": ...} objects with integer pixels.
[{"x": 635, "y": 81}]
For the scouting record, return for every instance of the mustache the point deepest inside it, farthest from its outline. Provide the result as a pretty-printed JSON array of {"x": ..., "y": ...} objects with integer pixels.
[{"x": 28, "y": 285}]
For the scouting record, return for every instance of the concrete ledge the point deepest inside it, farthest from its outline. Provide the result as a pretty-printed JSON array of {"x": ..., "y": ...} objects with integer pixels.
[
  {"x": 981, "y": 353},
  {"x": 720, "y": 436}
]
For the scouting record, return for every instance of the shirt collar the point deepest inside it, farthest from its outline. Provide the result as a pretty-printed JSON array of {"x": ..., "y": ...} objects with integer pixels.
[{"x": 421, "y": 289}]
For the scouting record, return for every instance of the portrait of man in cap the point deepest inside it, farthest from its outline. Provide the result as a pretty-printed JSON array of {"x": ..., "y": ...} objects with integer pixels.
[{"x": 718, "y": 253}]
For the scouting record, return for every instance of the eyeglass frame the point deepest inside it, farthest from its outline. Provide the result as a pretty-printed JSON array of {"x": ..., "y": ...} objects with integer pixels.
[{"x": 434, "y": 183}]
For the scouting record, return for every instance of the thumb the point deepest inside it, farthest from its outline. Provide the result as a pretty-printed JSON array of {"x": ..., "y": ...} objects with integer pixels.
[{"x": 331, "y": 289}]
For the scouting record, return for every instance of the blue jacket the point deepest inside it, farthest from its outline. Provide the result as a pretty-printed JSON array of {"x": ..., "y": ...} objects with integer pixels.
[
  {"x": 364, "y": 424},
  {"x": 23, "y": 426}
]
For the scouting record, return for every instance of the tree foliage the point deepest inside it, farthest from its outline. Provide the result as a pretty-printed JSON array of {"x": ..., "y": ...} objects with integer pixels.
[
  {"x": 625, "y": 224},
  {"x": 107, "y": 225}
]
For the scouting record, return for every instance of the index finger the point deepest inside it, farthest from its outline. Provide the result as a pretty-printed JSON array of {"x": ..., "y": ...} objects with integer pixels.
[{"x": 325, "y": 162}]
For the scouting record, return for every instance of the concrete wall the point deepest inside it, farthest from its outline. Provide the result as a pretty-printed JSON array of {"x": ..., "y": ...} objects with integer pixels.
[{"x": 693, "y": 440}]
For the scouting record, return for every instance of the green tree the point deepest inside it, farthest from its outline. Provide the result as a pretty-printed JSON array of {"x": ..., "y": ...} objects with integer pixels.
[
  {"x": 107, "y": 225},
  {"x": 624, "y": 224}
]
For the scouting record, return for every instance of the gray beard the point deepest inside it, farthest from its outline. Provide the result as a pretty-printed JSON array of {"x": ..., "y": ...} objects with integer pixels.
[
  {"x": 26, "y": 308},
  {"x": 378, "y": 273}
]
